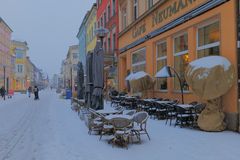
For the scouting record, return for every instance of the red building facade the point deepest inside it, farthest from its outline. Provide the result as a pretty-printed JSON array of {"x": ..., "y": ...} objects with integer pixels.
[{"x": 107, "y": 17}]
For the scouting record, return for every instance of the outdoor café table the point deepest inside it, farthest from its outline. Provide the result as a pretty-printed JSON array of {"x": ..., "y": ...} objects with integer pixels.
[
  {"x": 109, "y": 117},
  {"x": 163, "y": 102},
  {"x": 107, "y": 111},
  {"x": 185, "y": 106},
  {"x": 149, "y": 100}
]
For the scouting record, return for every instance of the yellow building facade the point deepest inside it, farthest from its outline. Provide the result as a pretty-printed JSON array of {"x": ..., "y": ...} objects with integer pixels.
[
  {"x": 174, "y": 33},
  {"x": 21, "y": 76},
  {"x": 91, "y": 26}
]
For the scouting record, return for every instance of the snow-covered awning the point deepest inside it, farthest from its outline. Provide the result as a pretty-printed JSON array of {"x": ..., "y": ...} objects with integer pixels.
[
  {"x": 163, "y": 73},
  {"x": 129, "y": 77}
]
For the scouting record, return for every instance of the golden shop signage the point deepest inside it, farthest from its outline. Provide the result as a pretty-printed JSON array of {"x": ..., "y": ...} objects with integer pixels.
[
  {"x": 162, "y": 14},
  {"x": 139, "y": 29}
]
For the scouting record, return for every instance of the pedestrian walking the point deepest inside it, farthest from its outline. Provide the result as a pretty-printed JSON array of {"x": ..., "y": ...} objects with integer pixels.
[
  {"x": 36, "y": 90},
  {"x": 2, "y": 91},
  {"x": 29, "y": 91}
]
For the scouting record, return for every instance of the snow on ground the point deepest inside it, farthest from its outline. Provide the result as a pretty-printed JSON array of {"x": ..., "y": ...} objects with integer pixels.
[{"x": 49, "y": 130}]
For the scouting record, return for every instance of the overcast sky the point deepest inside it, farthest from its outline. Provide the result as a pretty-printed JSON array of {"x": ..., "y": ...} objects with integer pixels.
[{"x": 48, "y": 26}]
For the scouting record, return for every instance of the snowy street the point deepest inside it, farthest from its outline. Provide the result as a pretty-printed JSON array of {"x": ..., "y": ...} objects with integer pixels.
[{"x": 48, "y": 129}]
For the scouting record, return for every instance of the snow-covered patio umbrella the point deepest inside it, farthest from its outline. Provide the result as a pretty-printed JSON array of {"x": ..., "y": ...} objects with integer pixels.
[
  {"x": 210, "y": 78},
  {"x": 98, "y": 76},
  {"x": 140, "y": 81}
]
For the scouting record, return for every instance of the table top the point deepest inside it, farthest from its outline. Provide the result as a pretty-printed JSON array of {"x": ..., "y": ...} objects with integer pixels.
[
  {"x": 163, "y": 102},
  {"x": 185, "y": 105},
  {"x": 109, "y": 117},
  {"x": 107, "y": 111}
]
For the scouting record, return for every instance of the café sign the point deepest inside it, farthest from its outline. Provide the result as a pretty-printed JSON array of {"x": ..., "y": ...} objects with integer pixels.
[{"x": 162, "y": 14}]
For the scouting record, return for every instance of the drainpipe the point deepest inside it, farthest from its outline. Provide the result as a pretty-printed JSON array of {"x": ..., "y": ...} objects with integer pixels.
[{"x": 238, "y": 56}]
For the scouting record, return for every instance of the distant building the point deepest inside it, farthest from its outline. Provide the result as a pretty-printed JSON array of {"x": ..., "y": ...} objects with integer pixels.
[
  {"x": 5, "y": 55},
  {"x": 82, "y": 42},
  {"x": 21, "y": 75},
  {"x": 71, "y": 67},
  {"x": 91, "y": 26}
]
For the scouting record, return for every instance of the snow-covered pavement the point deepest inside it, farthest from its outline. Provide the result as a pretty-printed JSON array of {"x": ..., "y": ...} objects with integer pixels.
[{"x": 49, "y": 130}]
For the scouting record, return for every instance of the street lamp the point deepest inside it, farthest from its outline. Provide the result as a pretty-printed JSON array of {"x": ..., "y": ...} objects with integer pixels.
[
  {"x": 101, "y": 33},
  {"x": 165, "y": 72}
]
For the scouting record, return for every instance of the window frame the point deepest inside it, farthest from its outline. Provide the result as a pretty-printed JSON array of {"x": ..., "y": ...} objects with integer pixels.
[
  {"x": 138, "y": 63},
  {"x": 161, "y": 58},
  {"x": 135, "y": 4},
  {"x": 211, "y": 45},
  {"x": 179, "y": 54}
]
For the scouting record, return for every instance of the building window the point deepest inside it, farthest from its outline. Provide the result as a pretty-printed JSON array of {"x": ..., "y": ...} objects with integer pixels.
[
  {"x": 19, "y": 55},
  {"x": 135, "y": 9},
  {"x": 139, "y": 60},
  {"x": 113, "y": 7},
  {"x": 109, "y": 44},
  {"x": 105, "y": 18},
  {"x": 75, "y": 55},
  {"x": 208, "y": 40},
  {"x": 161, "y": 54},
  {"x": 19, "y": 68},
  {"x": 101, "y": 21},
  {"x": 114, "y": 42},
  {"x": 150, "y": 4},
  {"x": 109, "y": 12},
  {"x": 181, "y": 59},
  {"x": 124, "y": 18}
]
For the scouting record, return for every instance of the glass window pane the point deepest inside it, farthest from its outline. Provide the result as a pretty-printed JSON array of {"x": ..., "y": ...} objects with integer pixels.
[
  {"x": 161, "y": 49},
  {"x": 180, "y": 65},
  {"x": 161, "y": 82},
  {"x": 209, "y": 34},
  {"x": 139, "y": 60},
  {"x": 181, "y": 43},
  {"x": 209, "y": 52},
  {"x": 139, "y": 56}
]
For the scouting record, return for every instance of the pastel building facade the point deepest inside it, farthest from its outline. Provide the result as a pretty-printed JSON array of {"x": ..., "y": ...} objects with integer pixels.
[
  {"x": 107, "y": 17},
  {"x": 5, "y": 56},
  {"x": 174, "y": 33},
  {"x": 91, "y": 26},
  {"x": 22, "y": 80},
  {"x": 82, "y": 42}
]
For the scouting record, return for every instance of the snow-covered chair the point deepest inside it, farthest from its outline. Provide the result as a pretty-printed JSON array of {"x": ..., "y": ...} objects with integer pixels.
[
  {"x": 122, "y": 131},
  {"x": 141, "y": 128}
]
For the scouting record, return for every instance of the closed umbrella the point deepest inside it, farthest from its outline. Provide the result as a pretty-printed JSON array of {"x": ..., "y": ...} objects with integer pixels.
[
  {"x": 80, "y": 81},
  {"x": 89, "y": 80},
  {"x": 98, "y": 76}
]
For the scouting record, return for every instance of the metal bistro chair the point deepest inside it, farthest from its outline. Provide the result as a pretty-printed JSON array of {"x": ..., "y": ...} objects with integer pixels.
[
  {"x": 95, "y": 122},
  {"x": 122, "y": 131},
  {"x": 140, "y": 119},
  {"x": 184, "y": 117},
  {"x": 171, "y": 113}
]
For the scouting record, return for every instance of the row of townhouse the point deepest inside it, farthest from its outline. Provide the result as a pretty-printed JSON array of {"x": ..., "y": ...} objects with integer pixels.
[
  {"x": 69, "y": 70},
  {"x": 146, "y": 35},
  {"x": 103, "y": 14},
  {"x": 17, "y": 71}
]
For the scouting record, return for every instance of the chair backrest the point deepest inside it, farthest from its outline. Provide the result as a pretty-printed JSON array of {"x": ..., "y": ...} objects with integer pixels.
[
  {"x": 121, "y": 123},
  {"x": 140, "y": 117},
  {"x": 180, "y": 110},
  {"x": 131, "y": 112}
]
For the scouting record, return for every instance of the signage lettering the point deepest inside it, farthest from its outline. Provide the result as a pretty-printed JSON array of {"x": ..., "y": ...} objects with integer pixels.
[
  {"x": 161, "y": 15},
  {"x": 138, "y": 30}
]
